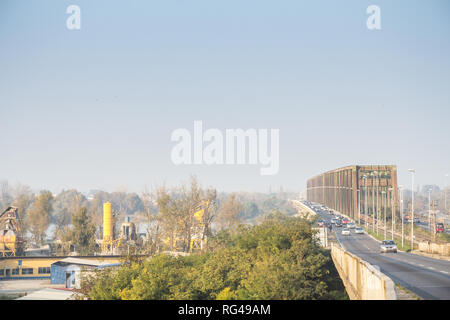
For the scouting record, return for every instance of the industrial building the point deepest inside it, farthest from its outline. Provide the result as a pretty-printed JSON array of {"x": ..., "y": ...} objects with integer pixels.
[
  {"x": 354, "y": 189},
  {"x": 69, "y": 271},
  {"x": 11, "y": 241},
  {"x": 40, "y": 267}
]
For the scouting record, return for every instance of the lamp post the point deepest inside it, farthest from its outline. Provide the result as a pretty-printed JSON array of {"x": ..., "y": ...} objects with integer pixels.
[
  {"x": 391, "y": 190},
  {"x": 375, "y": 191},
  {"x": 445, "y": 192},
  {"x": 378, "y": 210},
  {"x": 385, "y": 198},
  {"x": 429, "y": 209},
  {"x": 359, "y": 206},
  {"x": 365, "y": 202},
  {"x": 412, "y": 207},
  {"x": 373, "y": 201},
  {"x": 401, "y": 209}
]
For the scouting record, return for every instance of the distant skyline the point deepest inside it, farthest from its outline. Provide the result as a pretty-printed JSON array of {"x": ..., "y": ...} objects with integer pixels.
[{"x": 95, "y": 108}]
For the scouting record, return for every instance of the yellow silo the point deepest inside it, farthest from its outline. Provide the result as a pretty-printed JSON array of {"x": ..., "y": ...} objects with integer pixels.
[{"x": 107, "y": 222}]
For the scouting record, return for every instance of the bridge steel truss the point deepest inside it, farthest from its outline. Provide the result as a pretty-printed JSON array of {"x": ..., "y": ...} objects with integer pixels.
[{"x": 355, "y": 188}]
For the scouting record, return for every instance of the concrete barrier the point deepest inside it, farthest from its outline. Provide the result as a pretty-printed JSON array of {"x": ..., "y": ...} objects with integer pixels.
[
  {"x": 362, "y": 280},
  {"x": 435, "y": 248},
  {"x": 303, "y": 210}
]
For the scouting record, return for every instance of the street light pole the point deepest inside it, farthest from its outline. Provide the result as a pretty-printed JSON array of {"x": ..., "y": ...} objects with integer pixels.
[
  {"x": 359, "y": 206},
  {"x": 429, "y": 209},
  {"x": 445, "y": 193},
  {"x": 373, "y": 203},
  {"x": 365, "y": 203},
  {"x": 412, "y": 207},
  {"x": 401, "y": 209},
  {"x": 392, "y": 209},
  {"x": 378, "y": 209},
  {"x": 385, "y": 204}
]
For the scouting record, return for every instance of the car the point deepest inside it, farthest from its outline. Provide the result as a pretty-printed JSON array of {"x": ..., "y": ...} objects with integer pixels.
[
  {"x": 440, "y": 227},
  {"x": 345, "y": 221},
  {"x": 333, "y": 221},
  {"x": 351, "y": 225},
  {"x": 338, "y": 223},
  {"x": 359, "y": 230},
  {"x": 345, "y": 232},
  {"x": 388, "y": 246}
]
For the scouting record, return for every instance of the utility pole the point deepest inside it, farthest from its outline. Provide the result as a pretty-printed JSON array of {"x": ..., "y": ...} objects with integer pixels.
[
  {"x": 378, "y": 210},
  {"x": 445, "y": 193},
  {"x": 429, "y": 209},
  {"x": 359, "y": 206},
  {"x": 412, "y": 207},
  {"x": 373, "y": 204},
  {"x": 383, "y": 193},
  {"x": 365, "y": 203},
  {"x": 375, "y": 208},
  {"x": 434, "y": 222},
  {"x": 393, "y": 210},
  {"x": 401, "y": 209}
]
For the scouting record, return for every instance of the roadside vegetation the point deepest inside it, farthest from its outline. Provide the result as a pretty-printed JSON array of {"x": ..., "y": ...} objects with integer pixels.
[{"x": 277, "y": 259}]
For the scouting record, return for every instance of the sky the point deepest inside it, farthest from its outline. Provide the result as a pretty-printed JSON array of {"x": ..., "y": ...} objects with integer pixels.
[{"x": 95, "y": 108}]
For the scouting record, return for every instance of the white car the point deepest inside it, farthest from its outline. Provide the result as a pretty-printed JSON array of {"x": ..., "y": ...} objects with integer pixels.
[
  {"x": 345, "y": 232},
  {"x": 351, "y": 225},
  {"x": 388, "y": 246},
  {"x": 359, "y": 230}
]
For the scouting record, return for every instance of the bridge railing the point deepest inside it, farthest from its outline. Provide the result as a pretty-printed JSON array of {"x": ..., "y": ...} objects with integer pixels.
[{"x": 362, "y": 280}]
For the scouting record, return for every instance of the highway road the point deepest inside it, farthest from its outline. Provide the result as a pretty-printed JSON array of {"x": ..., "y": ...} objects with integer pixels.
[{"x": 427, "y": 277}]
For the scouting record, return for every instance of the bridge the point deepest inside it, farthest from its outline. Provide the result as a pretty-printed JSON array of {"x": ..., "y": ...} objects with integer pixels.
[
  {"x": 352, "y": 189},
  {"x": 367, "y": 191}
]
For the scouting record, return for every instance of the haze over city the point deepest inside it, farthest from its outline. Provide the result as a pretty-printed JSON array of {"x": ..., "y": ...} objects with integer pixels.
[{"x": 95, "y": 108}]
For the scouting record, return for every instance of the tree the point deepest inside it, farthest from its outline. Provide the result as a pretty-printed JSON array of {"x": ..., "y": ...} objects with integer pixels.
[
  {"x": 23, "y": 198},
  {"x": 229, "y": 212},
  {"x": 39, "y": 216},
  {"x": 153, "y": 221},
  {"x": 5, "y": 195},
  {"x": 82, "y": 234},
  {"x": 278, "y": 259},
  {"x": 66, "y": 204}
]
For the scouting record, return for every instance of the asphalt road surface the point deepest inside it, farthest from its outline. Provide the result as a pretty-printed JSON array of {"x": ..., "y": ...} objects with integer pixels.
[{"x": 427, "y": 277}]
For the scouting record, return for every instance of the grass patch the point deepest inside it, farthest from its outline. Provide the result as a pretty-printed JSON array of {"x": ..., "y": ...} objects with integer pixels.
[
  {"x": 407, "y": 292},
  {"x": 398, "y": 240}
]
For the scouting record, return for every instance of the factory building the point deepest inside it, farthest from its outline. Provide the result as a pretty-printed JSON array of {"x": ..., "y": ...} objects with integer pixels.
[
  {"x": 11, "y": 241},
  {"x": 39, "y": 267},
  {"x": 69, "y": 271}
]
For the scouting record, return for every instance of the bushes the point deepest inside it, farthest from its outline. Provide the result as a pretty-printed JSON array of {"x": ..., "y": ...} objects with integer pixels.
[{"x": 278, "y": 259}]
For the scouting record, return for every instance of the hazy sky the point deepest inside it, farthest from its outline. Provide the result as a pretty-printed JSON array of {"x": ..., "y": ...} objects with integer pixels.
[{"x": 95, "y": 108}]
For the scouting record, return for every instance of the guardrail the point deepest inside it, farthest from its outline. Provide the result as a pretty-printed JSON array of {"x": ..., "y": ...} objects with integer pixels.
[
  {"x": 362, "y": 280},
  {"x": 300, "y": 206}
]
